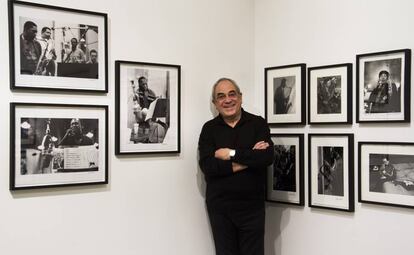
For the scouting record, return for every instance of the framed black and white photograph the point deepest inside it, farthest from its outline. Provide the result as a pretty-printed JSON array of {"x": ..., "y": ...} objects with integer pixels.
[
  {"x": 57, "y": 48},
  {"x": 330, "y": 94},
  {"x": 55, "y": 145},
  {"x": 285, "y": 177},
  {"x": 386, "y": 173},
  {"x": 285, "y": 92},
  {"x": 383, "y": 86},
  {"x": 147, "y": 108},
  {"x": 331, "y": 171}
]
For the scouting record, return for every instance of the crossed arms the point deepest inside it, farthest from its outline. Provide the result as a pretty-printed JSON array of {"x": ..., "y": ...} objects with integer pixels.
[{"x": 217, "y": 162}]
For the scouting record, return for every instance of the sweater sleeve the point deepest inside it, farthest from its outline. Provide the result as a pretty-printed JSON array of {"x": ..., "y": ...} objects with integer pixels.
[
  {"x": 211, "y": 166},
  {"x": 257, "y": 158}
]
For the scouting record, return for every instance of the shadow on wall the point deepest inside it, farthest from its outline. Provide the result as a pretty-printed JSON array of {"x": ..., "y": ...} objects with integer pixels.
[
  {"x": 273, "y": 229},
  {"x": 201, "y": 183}
]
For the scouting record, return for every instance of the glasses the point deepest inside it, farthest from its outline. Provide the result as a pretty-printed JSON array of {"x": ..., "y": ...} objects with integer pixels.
[{"x": 232, "y": 95}]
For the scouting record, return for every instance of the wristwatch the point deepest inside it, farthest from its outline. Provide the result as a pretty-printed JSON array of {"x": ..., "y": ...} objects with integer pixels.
[{"x": 232, "y": 153}]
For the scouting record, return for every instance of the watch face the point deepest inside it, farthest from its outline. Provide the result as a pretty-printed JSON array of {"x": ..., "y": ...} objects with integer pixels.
[{"x": 232, "y": 153}]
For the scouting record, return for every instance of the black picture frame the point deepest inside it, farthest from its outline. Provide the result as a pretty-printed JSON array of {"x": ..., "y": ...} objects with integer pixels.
[
  {"x": 55, "y": 64},
  {"x": 285, "y": 177},
  {"x": 151, "y": 126},
  {"x": 329, "y": 155},
  {"x": 386, "y": 173},
  {"x": 56, "y": 145},
  {"x": 330, "y": 94},
  {"x": 292, "y": 109},
  {"x": 376, "y": 102}
]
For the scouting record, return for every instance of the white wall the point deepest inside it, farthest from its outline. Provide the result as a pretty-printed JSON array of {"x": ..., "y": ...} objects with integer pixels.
[
  {"x": 153, "y": 204},
  {"x": 323, "y": 32}
]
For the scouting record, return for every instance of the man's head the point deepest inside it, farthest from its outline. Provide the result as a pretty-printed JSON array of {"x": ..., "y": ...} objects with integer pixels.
[
  {"x": 283, "y": 83},
  {"x": 337, "y": 90},
  {"x": 46, "y": 32},
  {"x": 143, "y": 83},
  {"x": 74, "y": 42},
  {"x": 385, "y": 161},
  {"x": 76, "y": 127},
  {"x": 227, "y": 98},
  {"x": 383, "y": 76},
  {"x": 94, "y": 56},
  {"x": 29, "y": 30}
]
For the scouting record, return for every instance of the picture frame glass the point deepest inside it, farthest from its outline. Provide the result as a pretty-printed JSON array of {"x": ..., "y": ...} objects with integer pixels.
[
  {"x": 284, "y": 102},
  {"x": 285, "y": 175},
  {"x": 58, "y": 48},
  {"x": 57, "y": 145},
  {"x": 382, "y": 86},
  {"x": 329, "y": 172},
  {"x": 148, "y": 114},
  {"x": 387, "y": 174},
  {"x": 328, "y": 95}
]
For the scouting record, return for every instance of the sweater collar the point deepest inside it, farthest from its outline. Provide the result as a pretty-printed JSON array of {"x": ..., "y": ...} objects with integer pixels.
[{"x": 243, "y": 118}]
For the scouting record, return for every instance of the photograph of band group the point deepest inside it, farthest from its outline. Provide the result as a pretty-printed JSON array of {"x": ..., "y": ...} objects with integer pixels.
[
  {"x": 57, "y": 48},
  {"x": 52, "y": 48},
  {"x": 58, "y": 144}
]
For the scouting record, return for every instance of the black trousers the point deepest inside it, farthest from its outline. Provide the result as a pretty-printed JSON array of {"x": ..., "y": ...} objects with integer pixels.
[{"x": 238, "y": 232}]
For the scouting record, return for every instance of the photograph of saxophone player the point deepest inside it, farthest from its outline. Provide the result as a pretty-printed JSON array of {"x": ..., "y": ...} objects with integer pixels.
[
  {"x": 44, "y": 142},
  {"x": 55, "y": 48}
]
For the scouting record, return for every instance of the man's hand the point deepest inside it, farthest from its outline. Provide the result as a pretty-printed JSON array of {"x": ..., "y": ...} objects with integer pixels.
[
  {"x": 237, "y": 167},
  {"x": 222, "y": 153},
  {"x": 262, "y": 145}
]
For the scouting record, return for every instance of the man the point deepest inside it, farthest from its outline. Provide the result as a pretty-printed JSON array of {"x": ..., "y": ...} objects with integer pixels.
[
  {"x": 387, "y": 170},
  {"x": 281, "y": 98},
  {"x": 144, "y": 95},
  {"x": 84, "y": 48},
  {"x": 335, "y": 100},
  {"x": 30, "y": 49},
  {"x": 47, "y": 64},
  {"x": 76, "y": 55},
  {"x": 93, "y": 57},
  {"x": 235, "y": 149},
  {"x": 74, "y": 135},
  {"x": 384, "y": 97},
  {"x": 149, "y": 130},
  {"x": 326, "y": 88}
]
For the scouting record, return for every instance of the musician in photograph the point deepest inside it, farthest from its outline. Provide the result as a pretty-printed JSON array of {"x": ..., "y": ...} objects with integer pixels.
[
  {"x": 82, "y": 45},
  {"x": 93, "y": 57},
  {"x": 75, "y": 55},
  {"x": 30, "y": 49},
  {"x": 329, "y": 95},
  {"x": 146, "y": 130},
  {"x": 385, "y": 97},
  {"x": 282, "y": 102},
  {"x": 74, "y": 135},
  {"x": 47, "y": 64}
]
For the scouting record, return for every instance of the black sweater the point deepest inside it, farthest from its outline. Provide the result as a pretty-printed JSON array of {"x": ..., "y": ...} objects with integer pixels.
[{"x": 244, "y": 188}]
